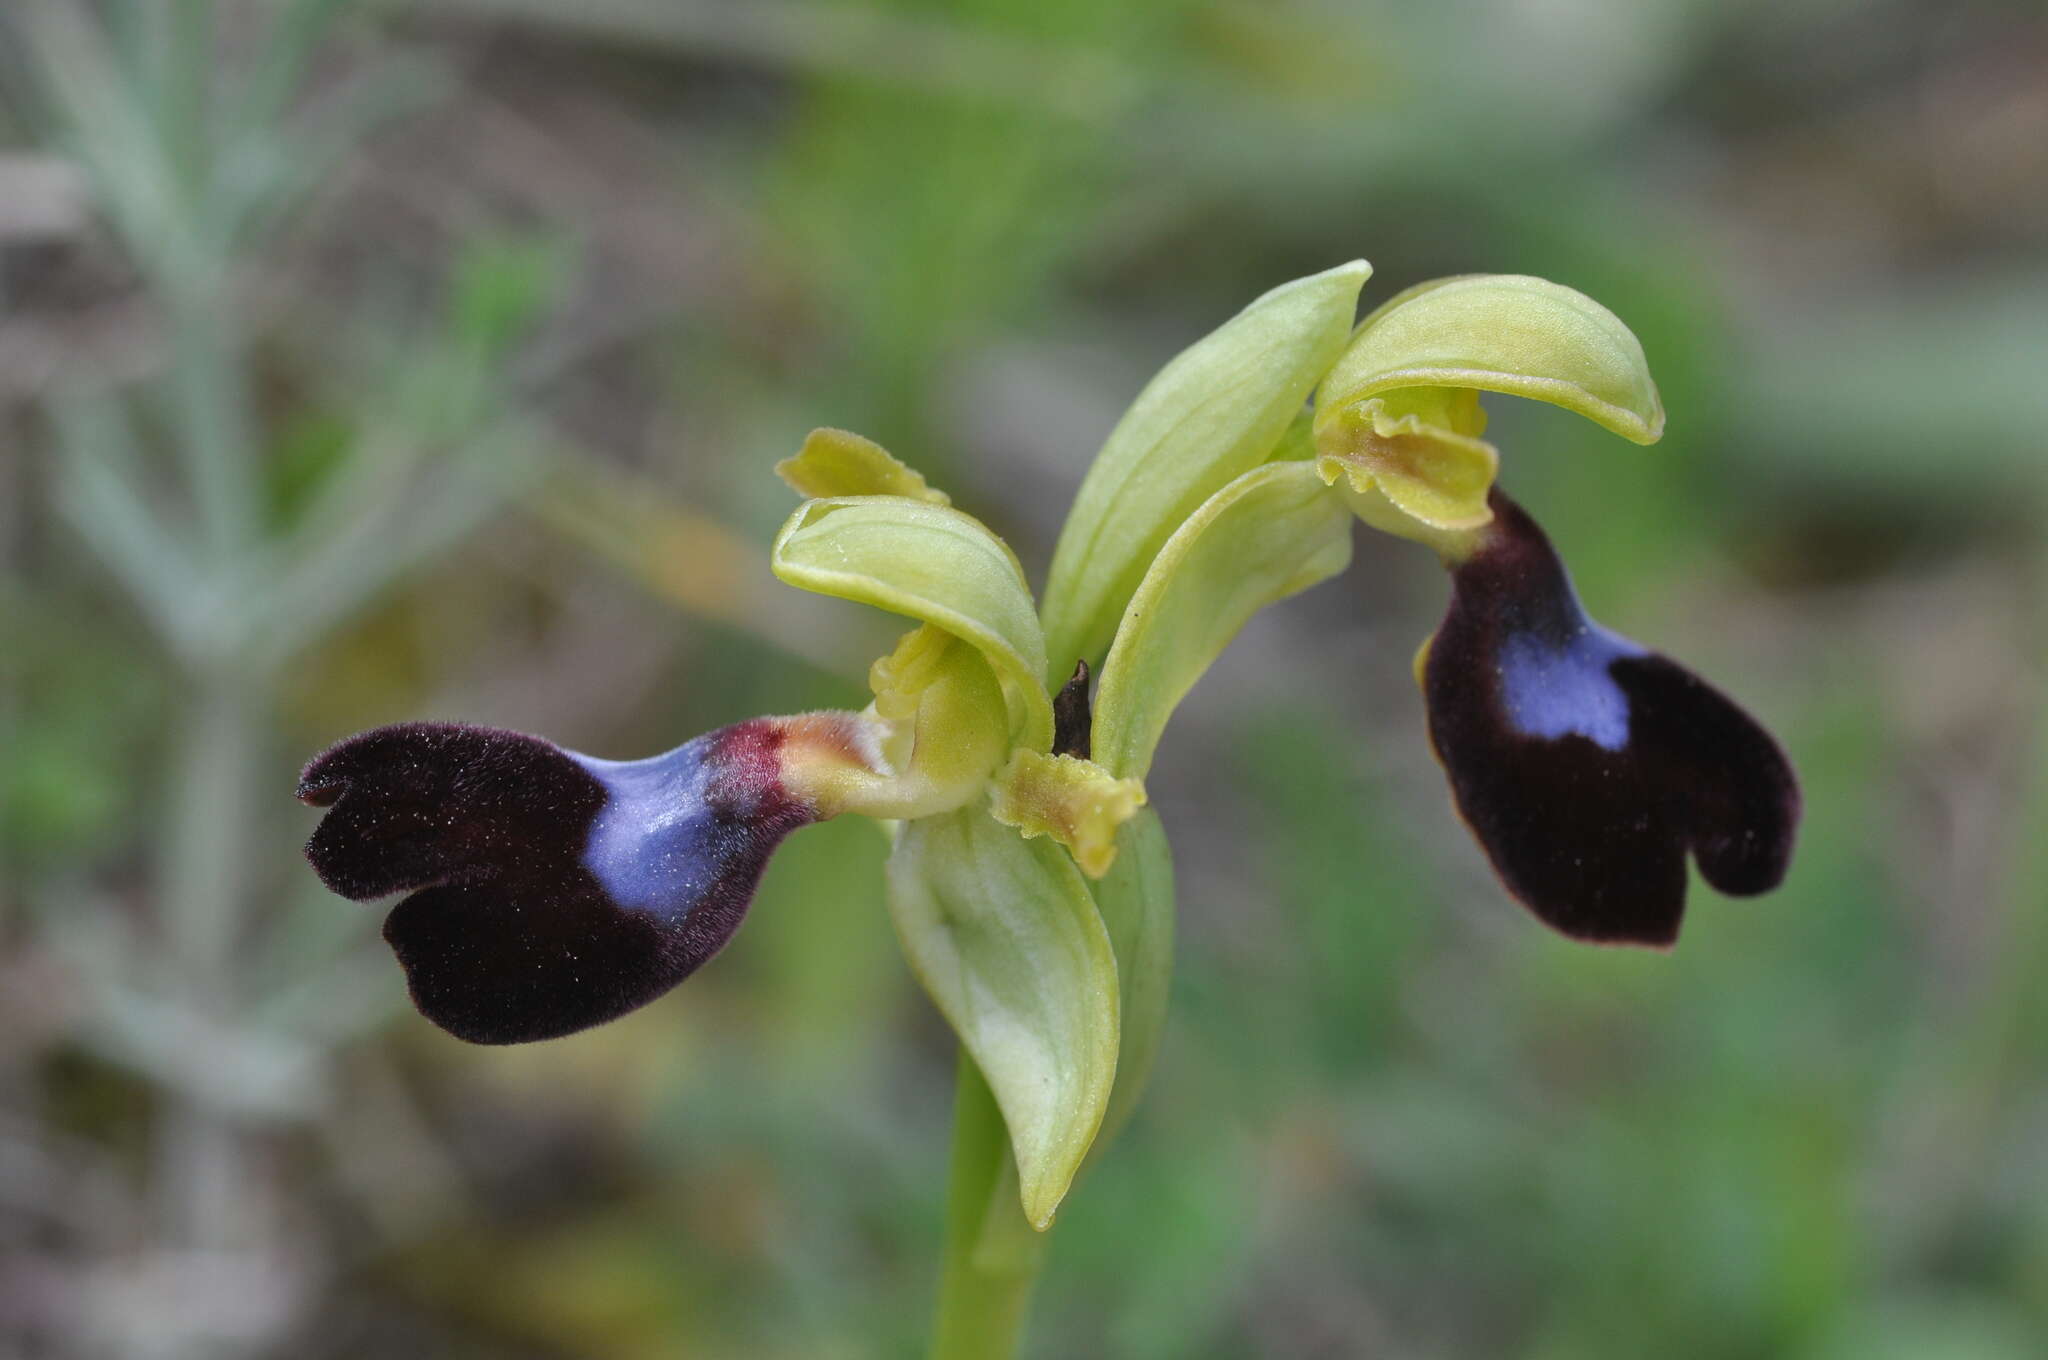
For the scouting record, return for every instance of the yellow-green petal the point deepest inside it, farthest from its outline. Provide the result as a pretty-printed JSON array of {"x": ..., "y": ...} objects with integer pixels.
[
  {"x": 1215, "y": 411},
  {"x": 1005, "y": 937},
  {"x": 936, "y": 565},
  {"x": 1274, "y": 531},
  {"x": 842, "y": 463},
  {"x": 1430, "y": 471},
  {"x": 1507, "y": 333},
  {"x": 1069, "y": 798}
]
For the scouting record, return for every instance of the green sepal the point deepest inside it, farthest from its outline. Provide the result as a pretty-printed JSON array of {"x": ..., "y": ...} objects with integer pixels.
[
  {"x": 1510, "y": 333},
  {"x": 1005, "y": 937},
  {"x": 1136, "y": 901},
  {"x": 938, "y": 566},
  {"x": 842, "y": 463},
  {"x": 1214, "y": 412},
  {"x": 1274, "y": 531}
]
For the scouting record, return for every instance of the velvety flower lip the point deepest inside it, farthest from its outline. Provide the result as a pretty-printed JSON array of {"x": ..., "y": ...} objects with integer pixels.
[
  {"x": 1586, "y": 765},
  {"x": 549, "y": 891}
]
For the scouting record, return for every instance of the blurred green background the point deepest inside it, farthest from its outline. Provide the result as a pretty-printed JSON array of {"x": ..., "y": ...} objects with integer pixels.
[{"x": 370, "y": 361}]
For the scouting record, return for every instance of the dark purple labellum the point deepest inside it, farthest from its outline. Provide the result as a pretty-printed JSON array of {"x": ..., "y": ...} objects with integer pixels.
[
  {"x": 1586, "y": 765},
  {"x": 550, "y": 891}
]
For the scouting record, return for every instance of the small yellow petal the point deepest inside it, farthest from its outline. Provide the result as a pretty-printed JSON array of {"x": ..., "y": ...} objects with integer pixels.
[
  {"x": 1433, "y": 472},
  {"x": 1075, "y": 801},
  {"x": 841, "y": 463}
]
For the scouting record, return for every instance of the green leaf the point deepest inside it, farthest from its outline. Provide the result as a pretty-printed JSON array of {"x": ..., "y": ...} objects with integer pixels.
[
  {"x": 1508, "y": 333},
  {"x": 1274, "y": 531},
  {"x": 936, "y": 565},
  {"x": 1004, "y": 935},
  {"x": 1215, "y": 411},
  {"x": 1136, "y": 902}
]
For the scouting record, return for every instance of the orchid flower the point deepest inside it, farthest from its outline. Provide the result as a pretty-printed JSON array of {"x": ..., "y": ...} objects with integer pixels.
[
  {"x": 1586, "y": 765},
  {"x": 1030, "y": 884}
]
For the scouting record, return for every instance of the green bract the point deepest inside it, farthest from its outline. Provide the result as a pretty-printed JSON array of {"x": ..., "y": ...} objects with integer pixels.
[{"x": 1006, "y": 938}]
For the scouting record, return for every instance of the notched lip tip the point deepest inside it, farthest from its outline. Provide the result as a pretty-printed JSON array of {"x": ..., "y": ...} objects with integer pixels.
[
  {"x": 1659, "y": 944},
  {"x": 320, "y": 793}
]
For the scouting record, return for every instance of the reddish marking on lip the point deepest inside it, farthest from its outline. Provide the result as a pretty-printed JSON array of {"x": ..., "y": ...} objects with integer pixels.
[
  {"x": 750, "y": 759},
  {"x": 745, "y": 761}
]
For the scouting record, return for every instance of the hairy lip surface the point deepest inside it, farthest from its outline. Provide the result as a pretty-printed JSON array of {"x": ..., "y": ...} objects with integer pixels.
[
  {"x": 1588, "y": 767},
  {"x": 545, "y": 892}
]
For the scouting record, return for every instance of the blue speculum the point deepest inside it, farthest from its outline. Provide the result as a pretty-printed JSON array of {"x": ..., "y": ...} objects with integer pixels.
[
  {"x": 1553, "y": 691},
  {"x": 1587, "y": 766},
  {"x": 549, "y": 891},
  {"x": 656, "y": 846}
]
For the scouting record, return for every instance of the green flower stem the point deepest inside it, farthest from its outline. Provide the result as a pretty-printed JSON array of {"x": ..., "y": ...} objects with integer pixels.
[{"x": 992, "y": 1254}]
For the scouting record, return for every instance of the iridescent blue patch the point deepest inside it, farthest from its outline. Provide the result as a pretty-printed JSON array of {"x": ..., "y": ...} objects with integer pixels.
[
  {"x": 1590, "y": 767},
  {"x": 1550, "y": 691},
  {"x": 656, "y": 846}
]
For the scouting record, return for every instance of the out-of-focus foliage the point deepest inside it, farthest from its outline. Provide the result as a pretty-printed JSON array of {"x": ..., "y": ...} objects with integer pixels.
[{"x": 510, "y": 307}]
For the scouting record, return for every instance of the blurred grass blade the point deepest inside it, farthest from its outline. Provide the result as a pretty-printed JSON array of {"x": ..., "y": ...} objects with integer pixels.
[
  {"x": 98, "y": 485},
  {"x": 268, "y": 171},
  {"x": 920, "y": 49},
  {"x": 116, "y": 138},
  {"x": 684, "y": 556},
  {"x": 296, "y": 30},
  {"x": 430, "y": 516}
]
